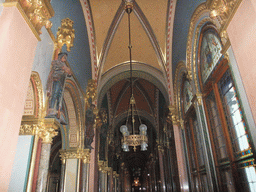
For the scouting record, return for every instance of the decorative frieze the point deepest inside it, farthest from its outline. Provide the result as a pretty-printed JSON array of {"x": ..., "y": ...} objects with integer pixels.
[
  {"x": 83, "y": 154},
  {"x": 29, "y": 129}
]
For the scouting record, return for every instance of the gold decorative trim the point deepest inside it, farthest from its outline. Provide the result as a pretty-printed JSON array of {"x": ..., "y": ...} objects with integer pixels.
[
  {"x": 179, "y": 72},
  {"x": 49, "y": 130},
  {"x": 39, "y": 88},
  {"x": 35, "y": 12},
  {"x": 83, "y": 154},
  {"x": 29, "y": 129},
  {"x": 102, "y": 166},
  {"x": 198, "y": 97},
  {"x": 201, "y": 8}
]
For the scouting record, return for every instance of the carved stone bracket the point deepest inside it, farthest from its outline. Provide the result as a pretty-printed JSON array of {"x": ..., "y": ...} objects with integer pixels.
[
  {"x": 49, "y": 130},
  {"x": 65, "y": 34},
  {"x": 36, "y": 13},
  {"x": 83, "y": 154}
]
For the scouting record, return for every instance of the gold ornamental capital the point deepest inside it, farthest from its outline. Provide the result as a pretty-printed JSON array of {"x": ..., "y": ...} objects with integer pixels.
[
  {"x": 198, "y": 98},
  {"x": 83, "y": 154},
  {"x": 48, "y": 129},
  {"x": 102, "y": 166}
]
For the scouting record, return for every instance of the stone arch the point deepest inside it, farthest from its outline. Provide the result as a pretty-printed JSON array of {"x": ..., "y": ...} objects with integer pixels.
[
  {"x": 75, "y": 115},
  {"x": 141, "y": 70},
  {"x": 34, "y": 99},
  {"x": 181, "y": 70}
]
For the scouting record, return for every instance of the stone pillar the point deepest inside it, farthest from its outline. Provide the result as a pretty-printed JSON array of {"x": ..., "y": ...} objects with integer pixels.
[
  {"x": 46, "y": 133},
  {"x": 103, "y": 176},
  {"x": 161, "y": 165},
  {"x": 62, "y": 175},
  {"x": 85, "y": 171},
  {"x": 110, "y": 179},
  {"x": 179, "y": 150}
]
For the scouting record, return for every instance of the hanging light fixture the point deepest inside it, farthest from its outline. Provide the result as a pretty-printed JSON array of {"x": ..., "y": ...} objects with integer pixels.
[{"x": 133, "y": 139}]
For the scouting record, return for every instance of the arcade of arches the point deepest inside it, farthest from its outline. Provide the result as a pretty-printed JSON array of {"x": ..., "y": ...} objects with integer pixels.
[{"x": 192, "y": 80}]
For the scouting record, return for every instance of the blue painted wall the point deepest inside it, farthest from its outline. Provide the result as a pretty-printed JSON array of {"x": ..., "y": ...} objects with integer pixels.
[
  {"x": 184, "y": 11},
  {"x": 79, "y": 56},
  {"x": 21, "y": 164}
]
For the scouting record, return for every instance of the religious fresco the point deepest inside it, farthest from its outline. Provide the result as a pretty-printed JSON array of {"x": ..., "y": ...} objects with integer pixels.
[
  {"x": 210, "y": 53},
  {"x": 187, "y": 96}
]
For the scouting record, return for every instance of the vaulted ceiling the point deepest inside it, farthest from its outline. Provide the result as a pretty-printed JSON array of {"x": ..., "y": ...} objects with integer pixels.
[{"x": 148, "y": 32}]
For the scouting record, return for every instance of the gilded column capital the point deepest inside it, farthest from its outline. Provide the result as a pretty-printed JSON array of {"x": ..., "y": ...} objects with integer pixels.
[
  {"x": 102, "y": 166},
  {"x": 48, "y": 129},
  {"x": 160, "y": 148},
  {"x": 198, "y": 98},
  {"x": 35, "y": 12},
  {"x": 83, "y": 154},
  {"x": 109, "y": 170}
]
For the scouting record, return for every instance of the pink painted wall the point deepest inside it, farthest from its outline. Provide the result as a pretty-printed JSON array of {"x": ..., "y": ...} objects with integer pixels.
[
  {"x": 17, "y": 50},
  {"x": 242, "y": 34}
]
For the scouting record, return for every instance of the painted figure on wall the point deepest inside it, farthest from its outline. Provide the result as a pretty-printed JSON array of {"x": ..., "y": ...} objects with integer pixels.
[
  {"x": 89, "y": 123},
  {"x": 56, "y": 84}
]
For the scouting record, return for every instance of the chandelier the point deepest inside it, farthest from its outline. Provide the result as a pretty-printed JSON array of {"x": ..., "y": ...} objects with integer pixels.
[{"x": 133, "y": 139}]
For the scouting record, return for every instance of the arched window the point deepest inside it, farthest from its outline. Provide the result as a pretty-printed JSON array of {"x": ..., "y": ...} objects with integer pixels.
[{"x": 232, "y": 150}]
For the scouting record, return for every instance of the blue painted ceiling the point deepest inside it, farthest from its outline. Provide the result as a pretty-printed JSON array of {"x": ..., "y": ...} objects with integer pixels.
[
  {"x": 79, "y": 56},
  {"x": 184, "y": 11}
]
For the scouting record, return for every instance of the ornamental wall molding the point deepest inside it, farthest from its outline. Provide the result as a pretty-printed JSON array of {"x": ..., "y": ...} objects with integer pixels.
[
  {"x": 35, "y": 12},
  {"x": 29, "y": 129},
  {"x": 49, "y": 129},
  {"x": 83, "y": 154},
  {"x": 178, "y": 77}
]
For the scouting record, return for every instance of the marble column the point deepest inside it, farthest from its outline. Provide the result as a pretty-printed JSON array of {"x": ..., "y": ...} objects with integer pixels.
[
  {"x": 179, "y": 150},
  {"x": 62, "y": 175},
  {"x": 85, "y": 171},
  {"x": 206, "y": 149},
  {"x": 46, "y": 133},
  {"x": 160, "y": 154}
]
